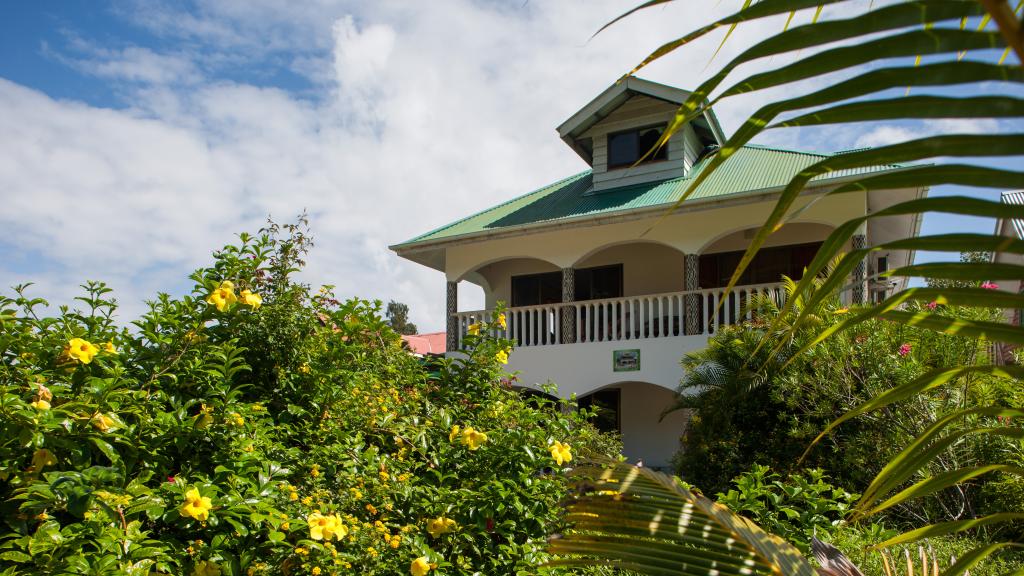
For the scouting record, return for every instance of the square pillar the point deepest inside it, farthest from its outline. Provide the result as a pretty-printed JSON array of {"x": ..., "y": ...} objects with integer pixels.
[
  {"x": 567, "y": 311},
  {"x": 451, "y": 307},
  {"x": 691, "y": 278},
  {"x": 858, "y": 295}
]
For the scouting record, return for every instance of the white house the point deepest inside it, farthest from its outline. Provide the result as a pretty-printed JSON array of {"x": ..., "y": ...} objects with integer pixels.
[{"x": 603, "y": 304}]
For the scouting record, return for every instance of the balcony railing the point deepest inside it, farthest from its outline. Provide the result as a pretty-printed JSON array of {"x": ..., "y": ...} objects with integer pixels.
[{"x": 623, "y": 319}]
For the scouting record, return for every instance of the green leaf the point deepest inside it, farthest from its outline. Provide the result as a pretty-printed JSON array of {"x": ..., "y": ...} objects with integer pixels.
[
  {"x": 637, "y": 519},
  {"x": 944, "y": 528},
  {"x": 911, "y": 107},
  {"x": 942, "y": 481}
]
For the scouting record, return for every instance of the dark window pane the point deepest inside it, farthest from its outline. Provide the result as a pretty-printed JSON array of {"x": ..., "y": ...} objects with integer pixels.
[
  {"x": 622, "y": 149},
  {"x": 648, "y": 138},
  {"x": 606, "y": 404}
]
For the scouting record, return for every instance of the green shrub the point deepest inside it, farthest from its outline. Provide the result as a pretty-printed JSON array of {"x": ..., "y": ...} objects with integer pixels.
[
  {"x": 253, "y": 427},
  {"x": 749, "y": 409}
]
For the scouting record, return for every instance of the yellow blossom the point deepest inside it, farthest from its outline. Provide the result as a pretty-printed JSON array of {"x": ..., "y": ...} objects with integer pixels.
[
  {"x": 236, "y": 419},
  {"x": 249, "y": 298},
  {"x": 81, "y": 350},
  {"x": 102, "y": 422},
  {"x": 419, "y": 566},
  {"x": 323, "y": 527},
  {"x": 196, "y": 505},
  {"x": 441, "y": 525},
  {"x": 560, "y": 452},
  {"x": 109, "y": 348},
  {"x": 395, "y": 541},
  {"x": 308, "y": 500},
  {"x": 206, "y": 568},
  {"x": 473, "y": 438},
  {"x": 42, "y": 458},
  {"x": 223, "y": 297},
  {"x": 501, "y": 321},
  {"x": 293, "y": 496},
  {"x": 502, "y": 356},
  {"x": 453, "y": 433},
  {"x": 286, "y": 526},
  {"x": 304, "y": 369},
  {"x": 315, "y": 470},
  {"x": 315, "y": 571},
  {"x": 301, "y": 551},
  {"x": 41, "y": 405},
  {"x": 473, "y": 329}
]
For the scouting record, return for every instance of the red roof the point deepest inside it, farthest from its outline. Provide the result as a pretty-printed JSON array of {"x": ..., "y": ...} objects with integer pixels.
[{"x": 431, "y": 343}]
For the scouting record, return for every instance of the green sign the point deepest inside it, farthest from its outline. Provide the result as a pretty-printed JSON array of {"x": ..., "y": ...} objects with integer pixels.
[{"x": 626, "y": 360}]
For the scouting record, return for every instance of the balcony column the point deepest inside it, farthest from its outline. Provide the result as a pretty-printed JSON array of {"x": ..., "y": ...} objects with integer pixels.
[
  {"x": 568, "y": 311},
  {"x": 691, "y": 269},
  {"x": 858, "y": 295},
  {"x": 452, "y": 325}
]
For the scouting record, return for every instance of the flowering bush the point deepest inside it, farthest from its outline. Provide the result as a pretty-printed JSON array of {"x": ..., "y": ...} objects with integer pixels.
[{"x": 252, "y": 427}]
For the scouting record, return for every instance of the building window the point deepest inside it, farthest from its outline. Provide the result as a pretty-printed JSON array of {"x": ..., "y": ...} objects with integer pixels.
[
  {"x": 599, "y": 282},
  {"x": 766, "y": 268},
  {"x": 626, "y": 148},
  {"x": 536, "y": 289}
]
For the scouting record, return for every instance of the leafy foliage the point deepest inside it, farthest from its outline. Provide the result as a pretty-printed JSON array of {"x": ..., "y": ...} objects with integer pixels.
[{"x": 256, "y": 427}]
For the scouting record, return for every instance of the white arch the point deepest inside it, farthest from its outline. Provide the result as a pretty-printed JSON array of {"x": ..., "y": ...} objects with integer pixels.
[
  {"x": 461, "y": 274},
  {"x": 790, "y": 226},
  {"x": 616, "y": 243}
]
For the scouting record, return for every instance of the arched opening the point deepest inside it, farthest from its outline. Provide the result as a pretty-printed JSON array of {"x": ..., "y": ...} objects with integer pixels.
[
  {"x": 634, "y": 409},
  {"x": 786, "y": 252},
  {"x": 520, "y": 282},
  {"x": 629, "y": 269}
]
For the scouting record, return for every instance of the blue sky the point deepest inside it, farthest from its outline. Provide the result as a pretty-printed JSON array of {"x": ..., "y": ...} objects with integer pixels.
[{"x": 139, "y": 135}]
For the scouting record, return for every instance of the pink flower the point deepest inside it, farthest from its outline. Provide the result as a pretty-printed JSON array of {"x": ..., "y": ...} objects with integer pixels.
[
  {"x": 170, "y": 479},
  {"x": 904, "y": 349},
  {"x": 990, "y": 286},
  {"x": 932, "y": 305}
]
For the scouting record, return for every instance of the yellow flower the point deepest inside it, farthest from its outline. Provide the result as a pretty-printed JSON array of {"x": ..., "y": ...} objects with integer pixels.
[
  {"x": 293, "y": 496},
  {"x": 109, "y": 348},
  {"x": 102, "y": 422},
  {"x": 315, "y": 470},
  {"x": 206, "y": 568},
  {"x": 441, "y": 525},
  {"x": 472, "y": 438},
  {"x": 250, "y": 298},
  {"x": 395, "y": 541},
  {"x": 223, "y": 297},
  {"x": 501, "y": 321},
  {"x": 42, "y": 458},
  {"x": 304, "y": 368},
  {"x": 41, "y": 404},
  {"x": 323, "y": 527},
  {"x": 502, "y": 356},
  {"x": 196, "y": 505},
  {"x": 473, "y": 329},
  {"x": 560, "y": 452},
  {"x": 419, "y": 566},
  {"x": 81, "y": 350},
  {"x": 237, "y": 419},
  {"x": 315, "y": 571}
]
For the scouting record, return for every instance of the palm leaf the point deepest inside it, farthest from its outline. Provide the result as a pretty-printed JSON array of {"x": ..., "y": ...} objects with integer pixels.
[{"x": 637, "y": 519}]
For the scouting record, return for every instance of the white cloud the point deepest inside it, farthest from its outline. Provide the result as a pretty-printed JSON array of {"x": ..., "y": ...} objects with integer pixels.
[{"x": 432, "y": 111}]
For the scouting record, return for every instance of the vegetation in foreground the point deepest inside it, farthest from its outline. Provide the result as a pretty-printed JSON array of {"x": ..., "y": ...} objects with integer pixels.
[{"x": 253, "y": 427}]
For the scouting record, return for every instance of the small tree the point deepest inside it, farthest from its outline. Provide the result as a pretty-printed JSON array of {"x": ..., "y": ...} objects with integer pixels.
[{"x": 398, "y": 318}]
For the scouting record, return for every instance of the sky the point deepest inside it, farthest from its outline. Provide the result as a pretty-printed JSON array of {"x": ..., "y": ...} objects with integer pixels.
[{"x": 138, "y": 136}]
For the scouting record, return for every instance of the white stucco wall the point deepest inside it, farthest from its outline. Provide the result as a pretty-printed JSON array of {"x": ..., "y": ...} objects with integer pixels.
[
  {"x": 582, "y": 368},
  {"x": 644, "y": 438}
]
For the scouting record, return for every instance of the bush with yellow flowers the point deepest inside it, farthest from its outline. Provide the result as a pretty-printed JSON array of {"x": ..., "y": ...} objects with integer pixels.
[{"x": 256, "y": 427}]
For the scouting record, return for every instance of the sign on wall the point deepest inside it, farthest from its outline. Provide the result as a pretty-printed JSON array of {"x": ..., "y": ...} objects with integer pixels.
[{"x": 626, "y": 360}]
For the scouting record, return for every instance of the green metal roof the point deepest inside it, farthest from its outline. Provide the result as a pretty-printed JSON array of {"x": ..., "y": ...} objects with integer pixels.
[{"x": 750, "y": 169}]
